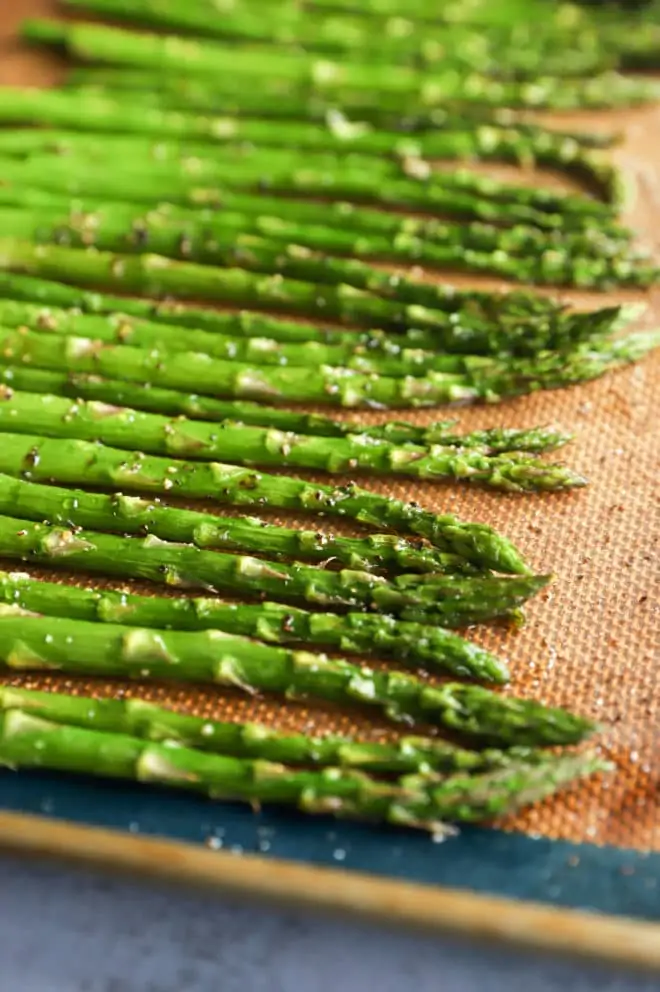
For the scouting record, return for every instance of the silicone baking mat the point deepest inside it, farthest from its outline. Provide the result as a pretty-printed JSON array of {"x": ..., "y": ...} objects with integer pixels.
[{"x": 592, "y": 642}]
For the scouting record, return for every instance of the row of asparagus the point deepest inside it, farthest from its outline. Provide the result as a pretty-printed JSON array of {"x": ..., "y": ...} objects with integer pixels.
[
  {"x": 134, "y": 740},
  {"x": 532, "y": 40},
  {"x": 354, "y": 83},
  {"x": 509, "y": 354},
  {"x": 197, "y": 188}
]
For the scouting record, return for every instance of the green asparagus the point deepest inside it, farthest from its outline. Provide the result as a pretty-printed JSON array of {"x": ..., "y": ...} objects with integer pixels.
[
  {"x": 137, "y": 718},
  {"x": 479, "y": 378},
  {"x": 413, "y": 644},
  {"x": 476, "y": 322},
  {"x": 131, "y": 515},
  {"x": 223, "y": 659},
  {"x": 106, "y": 112},
  {"x": 80, "y": 463},
  {"x": 113, "y": 391},
  {"x": 453, "y": 600},
  {"x": 229, "y": 94},
  {"x": 100, "y": 43},
  {"x": 312, "y": 256},
  {"x": 28, "y": 741},
  {"x": 462, "y": 194},
  {"x": 122, "y": 427}
]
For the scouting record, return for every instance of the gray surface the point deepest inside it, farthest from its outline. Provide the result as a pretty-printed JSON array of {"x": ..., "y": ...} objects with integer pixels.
[{"x": 72, "y": 931}]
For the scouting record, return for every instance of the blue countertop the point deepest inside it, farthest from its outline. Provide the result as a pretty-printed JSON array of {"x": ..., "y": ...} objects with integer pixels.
[{"x": 66, "y": 930}]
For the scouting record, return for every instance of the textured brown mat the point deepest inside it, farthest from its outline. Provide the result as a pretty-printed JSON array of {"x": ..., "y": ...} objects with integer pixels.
[{"x": 593, "y": 641}]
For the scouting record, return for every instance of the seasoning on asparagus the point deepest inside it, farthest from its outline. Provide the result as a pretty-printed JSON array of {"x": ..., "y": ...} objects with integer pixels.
[
  {"x": 413, "y": 644},
  {"x": 381, "y": 553},
  {"x": 453, "y": 600},
  {"x": 224, "y": 659},
  {"x": 100, "y": 43},
  {"x": 384, "y": 357},
  {"x": 299, "y": 252},
  {"x": 477, "y": 322},
  {"x": 80, "y": 463},
  {"x": 168, "y": 401},
  {"x": 138, "y": 718},
  {"x": 462, "y": 194},
  {"x": 28, "y": 741},
  {"x": 481, "y": 378},
  {"x": 122, "y": 427}
]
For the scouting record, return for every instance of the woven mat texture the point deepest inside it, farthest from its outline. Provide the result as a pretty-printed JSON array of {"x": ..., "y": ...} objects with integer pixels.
[{"x": 592, "y": 642}]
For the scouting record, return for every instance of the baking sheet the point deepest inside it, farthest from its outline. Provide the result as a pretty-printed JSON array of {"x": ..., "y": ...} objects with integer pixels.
[{"x": 592, "y": 642}]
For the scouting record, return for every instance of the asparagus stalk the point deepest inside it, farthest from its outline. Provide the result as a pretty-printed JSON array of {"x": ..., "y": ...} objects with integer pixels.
[
  {"x": 380, "y": 355},
  {"x": 201, "y": 162},
  {"x": 132, "y": 515},
  {"x": 160, "y": 276},
  {"x": 27, "y": 741},
  {"x": 461, "y": 194},
  {"x": 187, "y": 371},
  {"x": 493, "y": 440},
  {"x": 137, "y": 718},
  {"x": 295, "y": 219},
  {"x": 477, "y": 378},
  {"x": 223, "y": 659},
  {"x": 54, "y": 416},
  {"x": 517, "y": 321},
  {"x": 451, "y": 599},
  {"x": 81, "y": 463},
  {"x": 105, "y": 112},
  {"x": 518, "y": 53},
  {"x": 229, "y": 95},
  {"x": 412, "y": 644},
  {"x": 102, "y": 44},
  {"x": 227, "y": 242},
  {"x": 486, "y": 321}
]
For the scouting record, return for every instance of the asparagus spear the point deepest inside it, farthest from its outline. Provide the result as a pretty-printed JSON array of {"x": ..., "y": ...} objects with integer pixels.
[
  {"x": 137, "y": 718},
  {"x": 413, "y": 644},
  {"x": 195, "y": 370},
  {"x": 105, "y": 112},
  {"x": 476, "y": 322},
  {"x": 480, "y": 378},
  {"x": 54, "y": 416},
  {"x": 160, "y": 276},
  {"x": 226, "y": 242},
  {"x": 460, "y": 194},
  {"x": 382, "y": 356},
  {"x": 81, "y": 463},
  {"x": 27, "y": 741},
  {"x": 518, "y": 53},
  {"x": 223, "y": 659},
  {"x": 290, "y": 101},
  {"x": 99, "y": 43},
  {"x": 131, "y": 515},
  {"x": 338, "y": 225},
  {"x": 113, "y": 391},
  {"x": 453, "y": 600}
]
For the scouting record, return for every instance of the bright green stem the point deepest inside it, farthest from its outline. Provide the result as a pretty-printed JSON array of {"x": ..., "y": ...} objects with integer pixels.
[
  {"x": 413, "y": 644},
  {"x": 476, "y": 322},
  {"x": 101, "y": 44},
  {"x": 449, "y": 599},
  {"x": 475, "y": 378},
  {"x": 80, "y": 463},
  {"x": 150, "y": 722},
  {"x": 223, "y": 659},
  {"x": 168, "y": 401},
  {"x": 121, "y": 427},
  {"x": 297, "y": 251},
  {"x": 27, "y": 741},
  {"x": 132, "y": 515}
]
